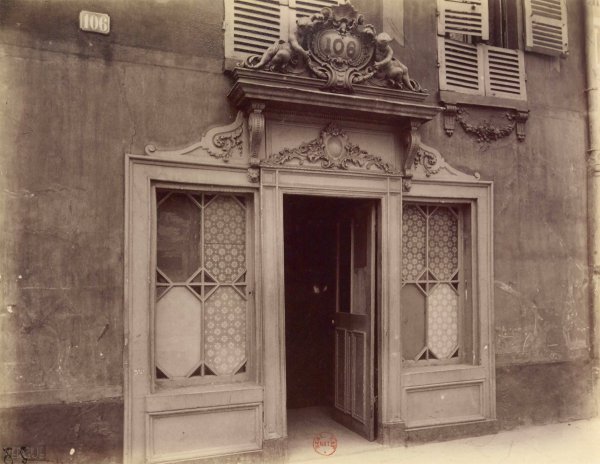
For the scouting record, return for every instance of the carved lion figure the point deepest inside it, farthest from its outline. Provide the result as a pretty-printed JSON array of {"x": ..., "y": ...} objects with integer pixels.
[{"x": 389, "y": 67}]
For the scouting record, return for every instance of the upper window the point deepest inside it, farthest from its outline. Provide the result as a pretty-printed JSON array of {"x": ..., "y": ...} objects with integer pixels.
[
  {"x": 468, "y": 63},
  {"x": 478, "y": 43},
  {"x": 546, "y": 27},
  {"x": 252, "y": 26}
]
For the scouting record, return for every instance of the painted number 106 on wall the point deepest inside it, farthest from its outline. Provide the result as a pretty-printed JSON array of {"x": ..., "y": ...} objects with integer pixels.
[{"x": 94, "y": 22}]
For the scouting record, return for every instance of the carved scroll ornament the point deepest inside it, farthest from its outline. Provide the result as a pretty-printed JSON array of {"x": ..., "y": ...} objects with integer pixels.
[
  {"x": 428, "y": 162},
  {"x": 335, "y": 45},
  {"x": 221, "y": 142},
  {"x": 331, "y": 150}
]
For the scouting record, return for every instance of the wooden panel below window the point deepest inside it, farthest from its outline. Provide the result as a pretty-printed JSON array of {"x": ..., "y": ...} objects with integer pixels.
[
  {"x": 444, "y": 404},
  {"x": 206, "y": 432}
]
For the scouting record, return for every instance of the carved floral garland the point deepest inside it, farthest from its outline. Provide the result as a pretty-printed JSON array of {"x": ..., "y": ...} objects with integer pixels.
[{"x": 486, "y": 132}]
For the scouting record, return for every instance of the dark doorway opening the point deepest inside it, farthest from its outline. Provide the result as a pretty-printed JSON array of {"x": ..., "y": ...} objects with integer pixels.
[
  {"x": 310, "y": 278},
  {"x": 330, "y": 288}
]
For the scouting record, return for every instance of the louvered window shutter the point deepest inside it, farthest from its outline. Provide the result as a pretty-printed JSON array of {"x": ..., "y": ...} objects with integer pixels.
[
  {"x": 504, "y": 73},
  {"x": 461, "y": 67},
  {"x": 546, "y": 26},
  {"x": 467, "y": 17},
  {"x": 309, "y": 7},
  {"x": 253, "y": 26}
]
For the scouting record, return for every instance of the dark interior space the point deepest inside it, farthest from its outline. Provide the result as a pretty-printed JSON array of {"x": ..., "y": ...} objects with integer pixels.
[{"x": 310, "y": 275}]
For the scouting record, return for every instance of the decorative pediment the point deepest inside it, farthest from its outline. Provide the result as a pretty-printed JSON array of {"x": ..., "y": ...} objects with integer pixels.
[
  {"x": 331, "y": 150},
  {"x": 337, "y": 47}
]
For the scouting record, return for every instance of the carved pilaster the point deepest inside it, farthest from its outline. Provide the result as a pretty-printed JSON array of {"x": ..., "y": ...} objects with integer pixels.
[
  {"x": 256, "y": 130},
  {"x": 450, "y": 112},
  {"x": 521, "y": 119},
  {"x": 412, "y": 147}
]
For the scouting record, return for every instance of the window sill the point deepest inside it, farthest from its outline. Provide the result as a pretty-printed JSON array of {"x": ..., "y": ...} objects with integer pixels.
[
  {"x": 207, "y": 389},
  {"x": 417, "y": 369},
  {"x": 457, "y": 98}
]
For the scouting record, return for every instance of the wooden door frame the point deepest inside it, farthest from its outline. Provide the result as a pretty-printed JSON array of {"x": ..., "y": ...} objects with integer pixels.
[{"x": 387, "y": 192}]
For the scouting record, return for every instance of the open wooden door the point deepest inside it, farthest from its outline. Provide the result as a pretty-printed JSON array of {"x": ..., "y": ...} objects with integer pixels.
[{"x": 355, "y": 318}]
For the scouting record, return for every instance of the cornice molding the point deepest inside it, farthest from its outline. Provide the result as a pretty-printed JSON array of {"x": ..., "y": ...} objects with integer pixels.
[{"x": 303, "y": 94}]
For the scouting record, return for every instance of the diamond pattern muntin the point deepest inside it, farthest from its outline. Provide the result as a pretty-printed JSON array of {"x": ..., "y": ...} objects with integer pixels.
[
  {"x": 430, "y": 238},
  {"x": 182, "y": 310}
]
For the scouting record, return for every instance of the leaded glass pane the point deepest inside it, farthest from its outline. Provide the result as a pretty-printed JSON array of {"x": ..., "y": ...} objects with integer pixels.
[
  {"x": 200, "y": 305},
  {"x": 430, "y": 277},
  {"x": 443, "y": 243},
  {"x": 225, "y": 238},
  {"x": 178, "y": 333},
  {"x": 224, "y": 261},
  {"x": 178, "y": 237},
  {"x": 442, "y": 321},
  {"x": 413, "y": 242},
  {"x": 225, "y": 332},
  {"x": 225, "y": 221},
  {"x": 413, "y": 321}
]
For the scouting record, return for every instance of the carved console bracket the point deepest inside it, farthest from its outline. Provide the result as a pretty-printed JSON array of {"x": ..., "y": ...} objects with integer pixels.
[
  {"x": 221, "y": 142},
  {"x": 331, "y": 150},
  {"x": 256, "y": 129},
  {"x": 520, "y": 120},
  {"x": 413, "y": 143},
  {"x": 485, "y": 132},
  {"x": 450, "y": 112}
]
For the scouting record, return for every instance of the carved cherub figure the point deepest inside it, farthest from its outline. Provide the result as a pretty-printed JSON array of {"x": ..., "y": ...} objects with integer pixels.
[
  {"x": 389, "y": 67},
  {"x": 283, "y": 53},
  {"x": 297, "y": 38},
  {"x": 275, "y": 58}
]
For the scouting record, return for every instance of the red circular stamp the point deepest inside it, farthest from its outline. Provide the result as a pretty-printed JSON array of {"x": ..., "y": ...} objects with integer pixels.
[{"x": 325, "y": 443}]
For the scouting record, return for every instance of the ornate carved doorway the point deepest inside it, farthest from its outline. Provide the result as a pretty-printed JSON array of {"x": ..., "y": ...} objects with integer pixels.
[{"x": 330, "y": 299}]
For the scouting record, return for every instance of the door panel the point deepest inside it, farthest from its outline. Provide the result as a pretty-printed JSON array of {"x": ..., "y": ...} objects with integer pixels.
[
  {"x": 340, "y": 370},
  {"x": 354, "y": 319}
]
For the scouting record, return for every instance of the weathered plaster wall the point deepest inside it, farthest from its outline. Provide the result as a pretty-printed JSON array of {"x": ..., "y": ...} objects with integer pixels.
[
  {"x": 74, "y": 103},
  {"x": 540, "y": 239}
]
